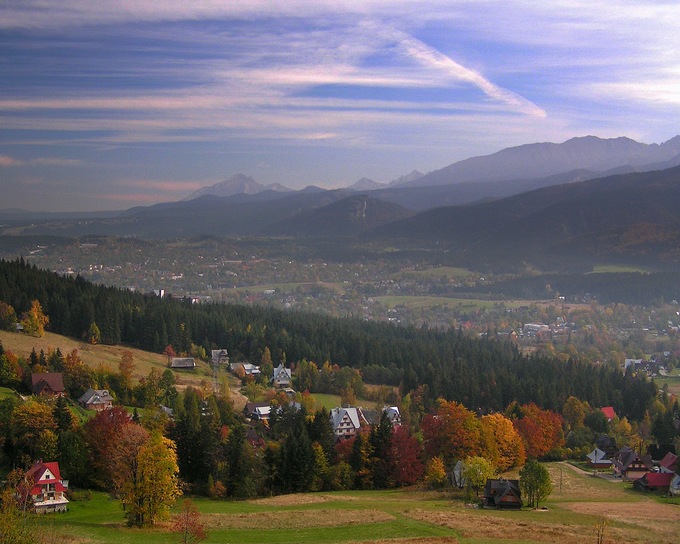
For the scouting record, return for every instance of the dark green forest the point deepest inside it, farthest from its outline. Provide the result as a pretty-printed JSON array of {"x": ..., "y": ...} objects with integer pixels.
[{"x": 485, "y": 375}]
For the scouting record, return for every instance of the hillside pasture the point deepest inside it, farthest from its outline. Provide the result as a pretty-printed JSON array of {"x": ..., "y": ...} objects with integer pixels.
[
  {"x": 96, "y": 355},
  {"x": 578, "y": 504}
]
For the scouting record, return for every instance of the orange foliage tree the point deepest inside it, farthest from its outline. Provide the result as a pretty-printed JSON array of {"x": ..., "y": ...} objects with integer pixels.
[
  {"x": 541, "y": 430},
  {"x": 454, "y": 432}
]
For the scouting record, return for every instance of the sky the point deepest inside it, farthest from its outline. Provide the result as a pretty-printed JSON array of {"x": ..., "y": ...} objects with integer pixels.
[{"x": 117, "y": 103}]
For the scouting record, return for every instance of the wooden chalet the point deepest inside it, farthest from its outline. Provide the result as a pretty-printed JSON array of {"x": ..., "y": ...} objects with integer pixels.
[
  {"x": 629, "y": 465},
  {"x": 502, "y": 493},
  {"x": 50, "y": 384}
]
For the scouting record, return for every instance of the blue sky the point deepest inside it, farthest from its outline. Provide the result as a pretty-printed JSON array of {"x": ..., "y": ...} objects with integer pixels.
[{"x": 112, "y": 104}]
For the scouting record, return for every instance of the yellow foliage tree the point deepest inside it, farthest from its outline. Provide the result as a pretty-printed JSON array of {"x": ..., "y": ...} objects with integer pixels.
[
  {"x": 153, "y": 485},
  {"x": 501, "y": 443},
  {"x": 34, "y": 321},
  {"x": 435, "y": 473}
]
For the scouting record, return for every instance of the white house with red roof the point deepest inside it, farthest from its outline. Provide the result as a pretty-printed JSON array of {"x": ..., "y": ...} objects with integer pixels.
[{"x": 48, "y": 489}]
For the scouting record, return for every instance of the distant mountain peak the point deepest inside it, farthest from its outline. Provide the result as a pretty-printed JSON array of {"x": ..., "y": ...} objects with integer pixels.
[
  {"x": 237, "y": 184},
  {"x": 407, "y": 178},
  {"x": 366, "y": 184}
]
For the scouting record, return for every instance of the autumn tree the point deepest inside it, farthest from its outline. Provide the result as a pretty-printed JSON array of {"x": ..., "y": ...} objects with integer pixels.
[
  {"x": 534, "y": 481},
  {"x": 188, "y": 525},
  {"x": 8, "y": 317},
  {"x": 93, "y": 335},
  {"x": 32, "y": 431},
  {"x": 541, "y": 430},
  {"x": 35, "y": 320},
  {"x": 477, "y": 471},
  {"x": 101, "y": 433},
  {"x": 501, "y": 442},
  {"x": 454, "y": 432},
  {"x": 574, "y": 412},
  {"x": 435, "y": 473},
  {"x": 153, "y": 486},
  {"x": 123, "y": 457},
  {"x": 17, "y": 525},
  {"x": 405, "y": 465}
]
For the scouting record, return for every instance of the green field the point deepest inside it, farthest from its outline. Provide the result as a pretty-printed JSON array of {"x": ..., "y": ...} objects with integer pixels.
[
  {"x": 404, "y": 516},
  {"x": 617, "y": 269},
  {"x": 441, "y": 271},
  {"x": 416, "y": 302}
]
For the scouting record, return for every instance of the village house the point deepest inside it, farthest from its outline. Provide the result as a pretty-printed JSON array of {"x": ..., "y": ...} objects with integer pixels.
[
  {"x": 96, "y": 399},
  {"x": 629, "y": 465},
  {"x": 47, "y": 488},
  {"x": 259, "y": 411},
  {"x": 50, "y": 384},
  {"x": 502, "y": 493},
  {"x": 347, "y": 421},
  {"x": 282, "y": 376},
  {"x": 245, "y": 369}
]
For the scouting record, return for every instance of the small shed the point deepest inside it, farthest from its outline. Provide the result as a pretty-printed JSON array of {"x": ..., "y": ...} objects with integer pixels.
[{"x": 183, "y": 363}]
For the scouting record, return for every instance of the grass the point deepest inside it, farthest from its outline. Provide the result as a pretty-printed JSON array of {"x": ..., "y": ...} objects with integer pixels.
[
  {"x": 98, "y": 355},
  {"x": 333, "y": 401},
  {"x": 618, "y": 269},
  {"x": 7, "y": 393},
  {"x": 441, "y": 271},
  {"x": 403, "y": 516},
  {"x": 416, "y": 302}
]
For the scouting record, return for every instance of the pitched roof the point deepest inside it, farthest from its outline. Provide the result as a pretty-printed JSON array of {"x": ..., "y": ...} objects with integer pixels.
[
  {"x": 47, "y": 382},
  {"x": 38, "y": 472},
  {"x": 669, "y": 462},
  {"x": 658, "y": 479},
  {"x": 96, "y": 396},
  {"x": 598, "y": 456},
  {"x": 182, "y": 362},
  {"x": 608, "y": 411},
  {"x": 496, "y": 489},
  {"x": 354, "y": 414}
]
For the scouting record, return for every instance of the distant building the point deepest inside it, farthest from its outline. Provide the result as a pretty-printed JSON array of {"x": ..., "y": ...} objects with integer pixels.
[
  {"x": 347, "y": 421},
  {"x": 282, "y": 376},
  {"x": 96, "y": 399}
]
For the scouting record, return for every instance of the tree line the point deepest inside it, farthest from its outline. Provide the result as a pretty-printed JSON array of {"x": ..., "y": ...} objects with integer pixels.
[{"x": 479, "y": 373}]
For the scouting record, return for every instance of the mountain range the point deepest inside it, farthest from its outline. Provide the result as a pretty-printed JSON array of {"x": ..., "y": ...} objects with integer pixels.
[{"x": 608, "y": 199}]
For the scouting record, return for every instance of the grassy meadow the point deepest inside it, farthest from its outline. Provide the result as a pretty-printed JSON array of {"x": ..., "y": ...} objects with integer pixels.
[
  {"x": 407, "y": 516},
  {"x": 100, "y": 355}
]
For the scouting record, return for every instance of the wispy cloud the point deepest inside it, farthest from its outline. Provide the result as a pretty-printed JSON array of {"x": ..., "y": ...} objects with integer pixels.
[{"x": 6, "y": 160}]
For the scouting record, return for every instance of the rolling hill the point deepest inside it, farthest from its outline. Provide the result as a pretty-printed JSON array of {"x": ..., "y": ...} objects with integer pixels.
[{"x": 629, "y": 217}]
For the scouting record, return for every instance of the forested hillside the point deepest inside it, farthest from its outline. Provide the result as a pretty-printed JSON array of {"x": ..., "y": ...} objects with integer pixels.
[{"x": 479, "y": 373}]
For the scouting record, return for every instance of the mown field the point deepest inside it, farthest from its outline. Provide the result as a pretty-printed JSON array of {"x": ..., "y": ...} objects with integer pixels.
[{"x": 407, "y": 516}]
